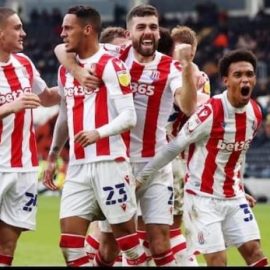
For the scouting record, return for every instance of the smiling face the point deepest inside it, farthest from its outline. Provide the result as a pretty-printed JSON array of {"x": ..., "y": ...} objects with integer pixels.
[
  {"x": 240, "y": 82},
  {"x": 144, "y": 34},
  {"x": 12, "y": 35}
]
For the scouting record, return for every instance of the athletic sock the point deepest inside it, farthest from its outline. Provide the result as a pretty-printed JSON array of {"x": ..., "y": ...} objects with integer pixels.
[
  {"x": 132, "y": 250},
  {"x": 72, "y": 246},
  {"x": 5, "y": 260}
]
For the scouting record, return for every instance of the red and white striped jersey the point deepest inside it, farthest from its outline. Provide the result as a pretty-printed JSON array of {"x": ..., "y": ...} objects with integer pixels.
[
  {"x": 18, "y": 151},
  {"x": 218, "y": 136},
  {"x": 89, "y": 109},
  {"x": 221, "y": 135},
  {"x": 153, "y": 86}
]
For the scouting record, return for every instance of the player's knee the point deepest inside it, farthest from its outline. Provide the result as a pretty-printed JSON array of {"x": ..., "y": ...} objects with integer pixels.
[{"x": 159, "y": 239}]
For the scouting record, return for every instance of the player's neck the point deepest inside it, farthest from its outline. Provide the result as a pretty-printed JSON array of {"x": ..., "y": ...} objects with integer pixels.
[
  {"x": 4, "y": 56},
  {"x": 88, "y": 50},
  {"x": 143, "y": 59}
]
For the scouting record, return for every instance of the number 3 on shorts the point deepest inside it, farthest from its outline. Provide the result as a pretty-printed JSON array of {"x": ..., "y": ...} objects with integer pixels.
[{"x": 248, "y": 214}]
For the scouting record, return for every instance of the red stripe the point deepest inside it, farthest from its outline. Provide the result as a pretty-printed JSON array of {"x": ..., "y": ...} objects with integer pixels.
[
  {"x": 78, "y": 113},
  {"x": 32, "y": 140},
  {"x": 175, "y": 232},
  {"x": 179, "y": 247},
  {"x": 17, "y": 134},
  {"x": 27, "y": 64},
  {"x": 217, "y": 133},
  {"x": 71, "y": 241},
  {"x": 142, "y": 234},
  {"x": 101, "y": 116},
  {"x": 164, "y": 258},
  {"x": 124, "y": 54},
  {"x": 262, "y": 262},
  {"x": 151, "y": 118},
  {"x": 33, "y": 143},
  {"x": 5, "y": 259},
  {"x": 240, "y": 135},
  {"x": 92, "y": 242},
  {"x": 1, "y": 129},
  {"x": 78, "y": 262},
  {"x": 62, "y": 75},
  {"x": 258, "y": 114},
  {"x": 128, "y": 242}
]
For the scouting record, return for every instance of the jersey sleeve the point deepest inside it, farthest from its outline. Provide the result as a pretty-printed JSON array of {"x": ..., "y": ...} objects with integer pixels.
[
  {"x": 117, "y": 78},
  {"x": 196, "y": 129}
]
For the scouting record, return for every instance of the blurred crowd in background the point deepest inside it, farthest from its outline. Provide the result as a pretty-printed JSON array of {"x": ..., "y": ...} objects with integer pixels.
[{"x": 217, "y": 32}]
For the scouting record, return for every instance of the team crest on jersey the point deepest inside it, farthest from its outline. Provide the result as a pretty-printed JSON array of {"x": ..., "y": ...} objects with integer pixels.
[
  {"x": 155, "y": 75},
  {"x": 123, "y": 78}
]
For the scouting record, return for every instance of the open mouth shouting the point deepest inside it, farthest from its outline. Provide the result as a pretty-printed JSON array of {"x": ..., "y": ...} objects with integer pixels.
[{"x": 245, "y": 90}]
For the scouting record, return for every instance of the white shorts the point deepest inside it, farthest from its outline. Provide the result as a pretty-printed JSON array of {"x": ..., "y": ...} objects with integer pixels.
[
  {"x": 214, "y": 224},
  {"x": 156, "y": 198},
  {"x": 179, "y": 169},
  {"x": 18, "y": 199},
  {"x": 108, "y": 186}
]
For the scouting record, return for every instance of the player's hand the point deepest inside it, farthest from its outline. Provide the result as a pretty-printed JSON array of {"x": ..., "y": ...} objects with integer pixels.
[
  {"x": 85, "y": 138},
  {"x": 49, "y": 173},
  {"x": 25, "y": 101},
  {"x": 251, "y": 200},
  {"x": 183, "y": 53},
  {"x": 87, "y": 78}
]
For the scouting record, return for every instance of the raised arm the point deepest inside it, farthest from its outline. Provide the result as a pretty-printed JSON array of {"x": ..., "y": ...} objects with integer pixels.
[{"x": 186, "y": 96}]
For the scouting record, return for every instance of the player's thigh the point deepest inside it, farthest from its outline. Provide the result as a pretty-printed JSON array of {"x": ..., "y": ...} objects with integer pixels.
[
  {"x": 78, "y": 196},
  {"x": 19, "y": 199},
  {"x": 157, "y": 197},
  {"x": 240, "y": 225},
  {"x": 203, "y": 224}
]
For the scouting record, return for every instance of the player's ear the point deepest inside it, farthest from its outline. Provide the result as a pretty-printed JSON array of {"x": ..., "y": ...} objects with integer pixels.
[
  {"x": 88, "y": 29},
  {"x": 225, "y": 81}
]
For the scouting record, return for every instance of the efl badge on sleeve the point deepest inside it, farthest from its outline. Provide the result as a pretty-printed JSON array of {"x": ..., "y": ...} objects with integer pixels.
[{"x": 123, "y": 78}]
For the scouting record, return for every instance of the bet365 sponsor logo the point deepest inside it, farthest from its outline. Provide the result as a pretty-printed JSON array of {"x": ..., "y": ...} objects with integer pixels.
[
  {"x": 143, "y": 88},
  {"x": 9, "y": 97},
  {"x": 235, "y": 146},
  {"x": 79, "y": 91}
]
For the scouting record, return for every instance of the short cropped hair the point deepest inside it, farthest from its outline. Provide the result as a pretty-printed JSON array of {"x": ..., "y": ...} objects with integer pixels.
[
  {"x": 87, "y": 15},
  {"x": 184, "y": 34},
  {"x": 4, "y": 14},
  {"x": 110, "y": 33},
  {"x": 141, "y": 11},
  {"x": 234, "y": 56}
]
